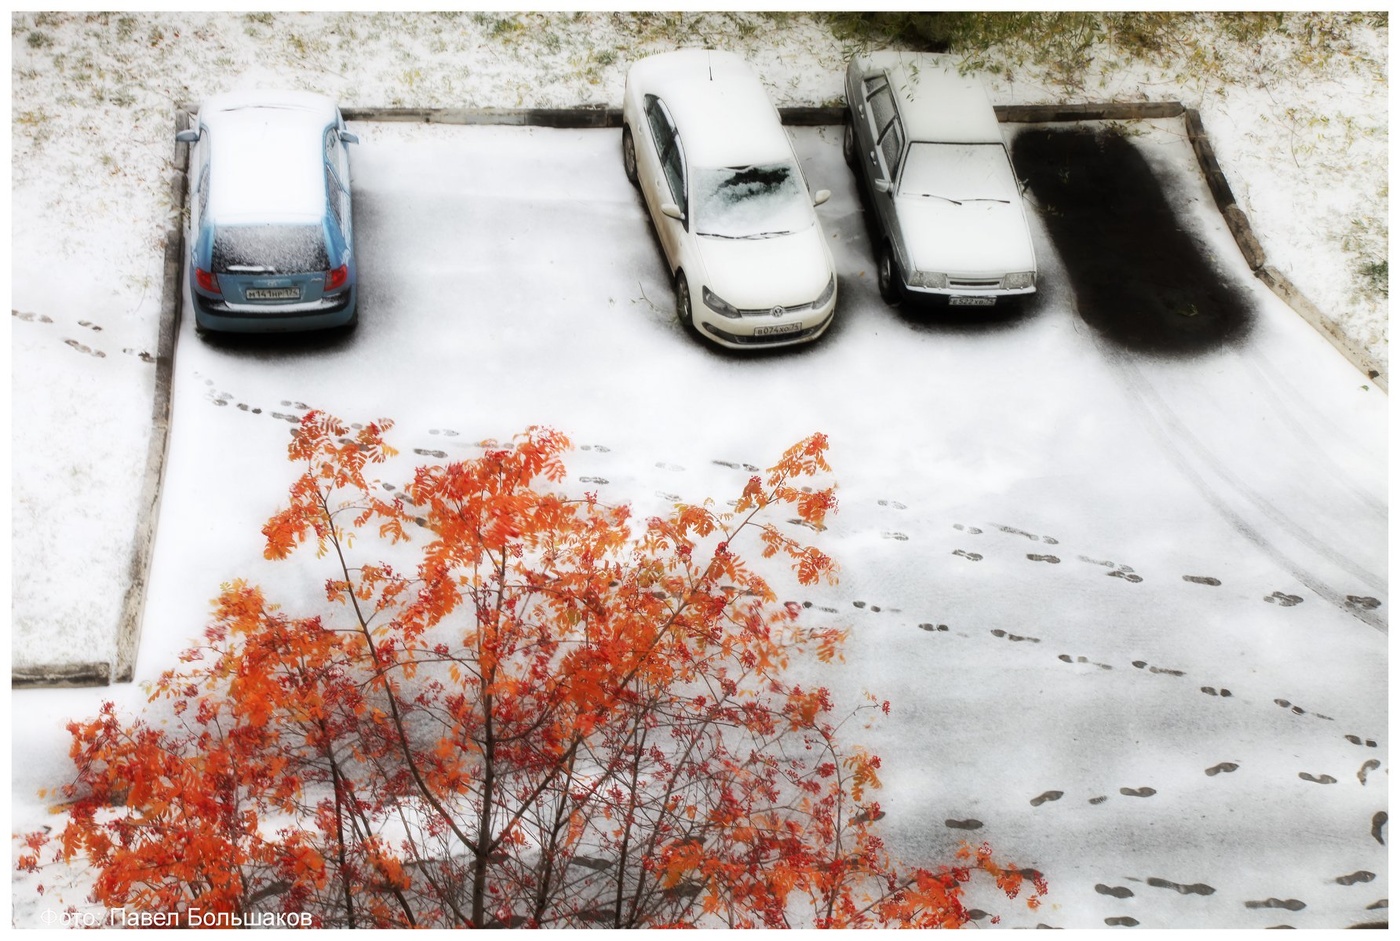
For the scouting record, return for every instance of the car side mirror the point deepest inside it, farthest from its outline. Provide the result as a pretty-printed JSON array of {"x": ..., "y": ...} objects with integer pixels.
[
  {"x": 347, "y": 138},
  {"x": 187, "y": 136},
  {"x": 821, "y": 197},
  {"x": 672, "y": 210},
  {"x": 882, "y": 185}
]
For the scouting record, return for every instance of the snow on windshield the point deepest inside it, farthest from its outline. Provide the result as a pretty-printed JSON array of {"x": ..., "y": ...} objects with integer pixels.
[
  {"x": 960, "y": 172},
  {"x": 751, "y": 202},
  {"x": 273, "y": 249}
]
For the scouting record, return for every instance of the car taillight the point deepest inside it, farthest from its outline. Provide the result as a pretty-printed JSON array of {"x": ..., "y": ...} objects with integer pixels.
[
  {"x": 337, "y": 278},
  {"x": 207, "y": 280}
]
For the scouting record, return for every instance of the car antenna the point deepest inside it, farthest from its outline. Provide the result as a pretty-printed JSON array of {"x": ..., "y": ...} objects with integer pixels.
[{"x": 709, "y": 64}]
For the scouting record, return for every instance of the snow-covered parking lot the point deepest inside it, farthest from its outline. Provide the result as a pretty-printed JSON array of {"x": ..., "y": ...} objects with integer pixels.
[{"x": 1130, "y": 609}]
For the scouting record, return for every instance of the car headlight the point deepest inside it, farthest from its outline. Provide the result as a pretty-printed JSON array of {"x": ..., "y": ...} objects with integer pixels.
[
  {"x": 929, "y": 279},
  {"x": 826, "y": 294},
  {"x": 718, "y": 304},
  {"x": 1018, "y": 280}
]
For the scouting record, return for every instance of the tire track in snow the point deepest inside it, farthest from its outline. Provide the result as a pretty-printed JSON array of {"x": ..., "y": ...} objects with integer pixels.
[{"x": 1177, "y": 440}]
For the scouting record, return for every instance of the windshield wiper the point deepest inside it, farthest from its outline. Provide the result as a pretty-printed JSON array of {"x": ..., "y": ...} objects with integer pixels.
[
  {"x": 940, "y": 196},
  {"x": 986, "y": 199}
]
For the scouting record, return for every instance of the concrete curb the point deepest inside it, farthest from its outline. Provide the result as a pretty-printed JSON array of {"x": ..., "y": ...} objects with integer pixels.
[{"x": 134, "y": 603}]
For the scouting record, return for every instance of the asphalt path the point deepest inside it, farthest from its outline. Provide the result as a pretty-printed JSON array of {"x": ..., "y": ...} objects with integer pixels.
[{"x": 1123, "y": 576}]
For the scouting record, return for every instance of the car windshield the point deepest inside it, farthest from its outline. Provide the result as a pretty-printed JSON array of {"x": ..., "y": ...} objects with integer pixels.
[
  {"x": 751, "y": 202},
  {"x": 269, "y": 249},
  {"x": 959, "y": 173}
]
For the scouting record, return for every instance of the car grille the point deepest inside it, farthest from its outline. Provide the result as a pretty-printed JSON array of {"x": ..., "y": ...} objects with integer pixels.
[
  {"x": 974, "y": 283},
  {"x": 768, "y": 311}
]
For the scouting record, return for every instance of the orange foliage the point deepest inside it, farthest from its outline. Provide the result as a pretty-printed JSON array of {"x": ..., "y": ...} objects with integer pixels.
[{"x": 555, "y": 716}]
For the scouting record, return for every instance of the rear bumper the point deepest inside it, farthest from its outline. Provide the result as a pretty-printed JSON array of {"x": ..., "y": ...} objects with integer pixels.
[{"x": 217, "y": 316}]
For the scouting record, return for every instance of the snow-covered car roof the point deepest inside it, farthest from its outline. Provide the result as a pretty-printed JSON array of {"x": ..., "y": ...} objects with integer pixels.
[
  {"x": 719, "y": 106},
  {"x": 266, "y": 155},
  {"x": 936, "y": 103}
]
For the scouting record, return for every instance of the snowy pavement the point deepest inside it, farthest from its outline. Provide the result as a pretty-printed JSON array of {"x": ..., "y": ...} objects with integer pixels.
[{"x": 1130, "y": 610}]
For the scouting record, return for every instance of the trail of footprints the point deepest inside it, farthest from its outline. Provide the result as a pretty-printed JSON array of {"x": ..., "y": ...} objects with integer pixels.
[{"x": 77, "y": 345}]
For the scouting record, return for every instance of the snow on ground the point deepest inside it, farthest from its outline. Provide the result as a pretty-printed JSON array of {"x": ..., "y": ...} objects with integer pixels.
[{"x": 940, "y": 438}]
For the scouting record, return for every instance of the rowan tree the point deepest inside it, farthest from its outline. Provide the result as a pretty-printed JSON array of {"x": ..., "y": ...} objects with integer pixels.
[{"x": 532, "y": 710}]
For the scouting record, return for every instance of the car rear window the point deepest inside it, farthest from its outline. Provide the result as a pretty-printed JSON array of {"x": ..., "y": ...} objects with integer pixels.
[{"x": 269, "y": 249}]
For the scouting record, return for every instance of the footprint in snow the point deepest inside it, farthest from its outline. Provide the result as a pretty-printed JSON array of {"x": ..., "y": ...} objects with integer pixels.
[
  {"x": 1195, "y": 888},
  {"x": 1324, "y": 779},
  {"x": 1014, "y": 637},
  {"x": 669, "y": 497},
  {"x": 1121, "y": 921},
  {"x": 1098, "y": 800},
  {"x": 139, "y": 354},
  {"x": 84, "y": 348},
  {"x": 90, "y": 325},
  {"x": 1117, "y": 891},
  {"x": 670, "y": 467},
  {"x": 970, "y": 530},
  {"x": 600, "y": 448},
  {"x": 1036, "y": 557},
  {"x": 1142, "y": 665},
  {"x": 425, "y": 452},
  {"x": 933, "y": 627},
  {"x": 446, "y": 432},
  {"x": 1201, "y": 580},
  {"x": 1048, "y": 540},
  {"x": 1211, "y": 691},
  {"x": 1225, "y": 767},
  {"x": 301, "y": 405},
  {"x": 1299, "y": 710},
  {"x": 1137, "y": 791},
  {"x": 1283, "y": 600},
  {"x": 898, "y": 537},
  {"x": 1068, "y": 659},
  {"x": 1356, "y": 740},
  {"x": 30, "y": 318},
  {"x": 970, "y": 556},
  {"x": 893, "y": 504},
  {"x": 1127, "y": 574},
  {"x": 1366, "y": 769},
  {"x": 969, "y": 824},
  {"x": 1361, "y": 876},
  {"x": 1378, "y": 823},
  {"x": 593, "y": 480},
  {"x": 1047, "y": 796},
  {"x": 1362, "y": 602},
  {"x": 1292, "y": 905},
  {"x": 296, "y": 420}
]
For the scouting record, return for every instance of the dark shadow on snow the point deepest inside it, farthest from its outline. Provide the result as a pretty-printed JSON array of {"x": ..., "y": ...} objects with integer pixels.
[{"x": 1138, "y": 278}]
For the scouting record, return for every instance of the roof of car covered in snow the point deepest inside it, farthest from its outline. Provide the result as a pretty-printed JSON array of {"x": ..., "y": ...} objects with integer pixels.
[
  {"x": 719, "y": 107},
  {"x": 935, "y": 101},
  {"x": 266, "y": 155}
]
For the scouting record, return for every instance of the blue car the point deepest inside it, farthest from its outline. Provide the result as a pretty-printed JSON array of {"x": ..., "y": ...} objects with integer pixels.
[{"x": 271, "y": 239}]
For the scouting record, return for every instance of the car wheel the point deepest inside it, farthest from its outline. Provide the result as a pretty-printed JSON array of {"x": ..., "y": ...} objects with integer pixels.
[
  {"x": 887, "y": 274},
  {"x": 848, "y": 142},
  {"x": 683, "y": 312},
  {"x": 629, "y": 156}
]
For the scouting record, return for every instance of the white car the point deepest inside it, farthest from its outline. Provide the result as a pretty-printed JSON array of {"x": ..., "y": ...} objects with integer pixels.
[
  {"x": 928, "y": 146},
  {"x": 731, "y": 207}
]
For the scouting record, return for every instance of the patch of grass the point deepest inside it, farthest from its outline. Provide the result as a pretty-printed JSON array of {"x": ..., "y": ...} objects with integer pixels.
[{"x": 38, "y": 40}]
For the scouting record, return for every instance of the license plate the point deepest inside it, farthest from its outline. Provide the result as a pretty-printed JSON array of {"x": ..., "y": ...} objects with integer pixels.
[
  {"x": 957, "y": 301},
  {"x": 273, "y": 294},
  {"x": 775, "y": 329}
]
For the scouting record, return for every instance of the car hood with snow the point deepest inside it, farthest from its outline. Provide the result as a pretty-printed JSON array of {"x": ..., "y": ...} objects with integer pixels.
[
  {"x": 759, "y": 273},
  {"x": 974, "y": 237}
]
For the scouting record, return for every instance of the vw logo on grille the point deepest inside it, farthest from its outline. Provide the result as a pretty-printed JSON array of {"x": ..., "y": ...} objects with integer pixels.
[{"x": 777, "y": 312}]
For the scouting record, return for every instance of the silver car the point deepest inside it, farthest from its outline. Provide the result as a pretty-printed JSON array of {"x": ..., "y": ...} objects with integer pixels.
[{"x": 929, "y": 149}]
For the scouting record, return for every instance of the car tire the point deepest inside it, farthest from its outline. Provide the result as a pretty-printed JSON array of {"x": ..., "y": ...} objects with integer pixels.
[
  {"x": 888, "y": 277},
  {"x": 683, "y": 302},
  {"x": 848, "y": 141},
  {"x": 629, "y": 156}
]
